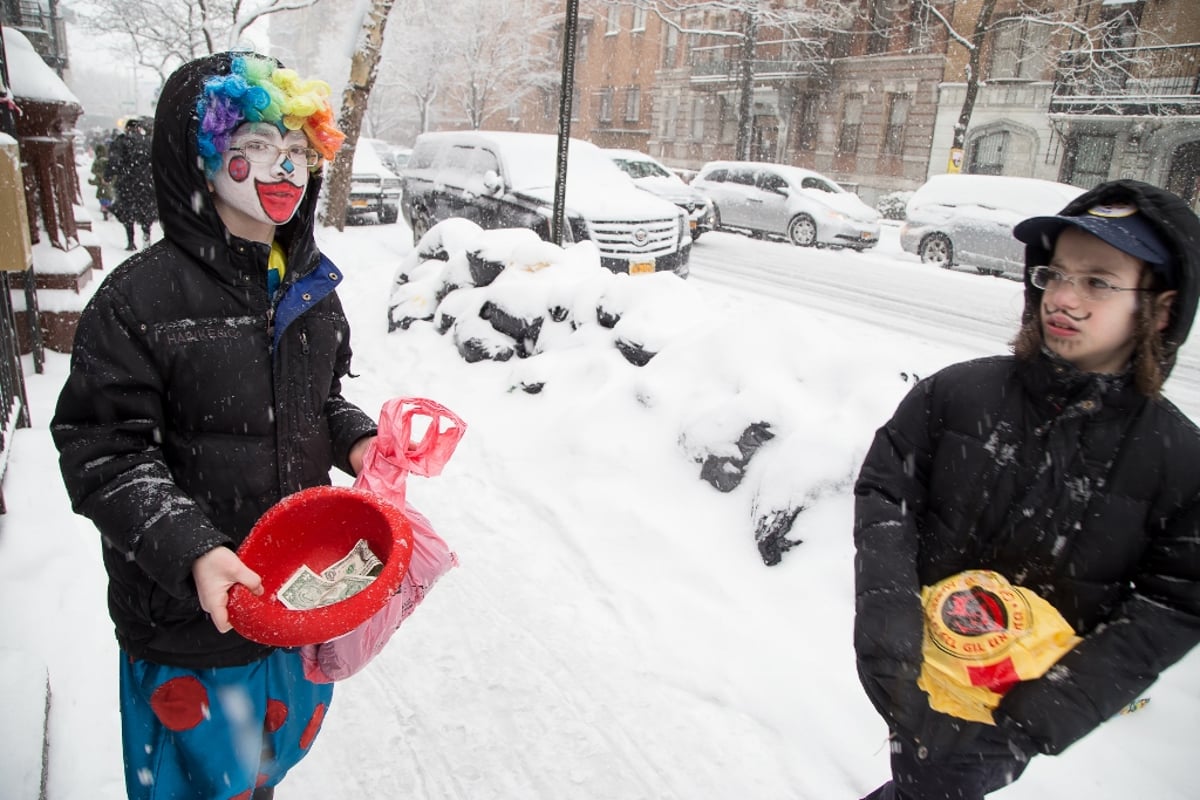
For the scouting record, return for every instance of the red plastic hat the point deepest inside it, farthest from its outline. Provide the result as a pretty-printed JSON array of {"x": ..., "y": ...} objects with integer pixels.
[{"x": 317, "y": 527}]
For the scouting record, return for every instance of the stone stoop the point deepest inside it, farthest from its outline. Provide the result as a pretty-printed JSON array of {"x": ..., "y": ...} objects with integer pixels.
[
  {"x": 24, "y": 744},
  {"x": 58, "y": 318}
]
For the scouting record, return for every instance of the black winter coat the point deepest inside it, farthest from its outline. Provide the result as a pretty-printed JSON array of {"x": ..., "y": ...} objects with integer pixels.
[
  {"x": 1074, "y": 485},
  {"x": 132, "y": 179},
  {"x": 194, "y": 403}
]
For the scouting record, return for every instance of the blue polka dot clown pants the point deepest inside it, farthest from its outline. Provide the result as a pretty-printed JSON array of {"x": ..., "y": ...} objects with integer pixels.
[{"x": 216, "y": 734}]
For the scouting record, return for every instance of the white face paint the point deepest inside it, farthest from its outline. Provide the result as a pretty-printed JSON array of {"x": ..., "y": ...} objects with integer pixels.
[{"x": 252, "y": 199}]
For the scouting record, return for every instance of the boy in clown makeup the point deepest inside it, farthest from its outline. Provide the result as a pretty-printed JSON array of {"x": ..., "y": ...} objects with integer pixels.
[{"x": 205, "y": 385}]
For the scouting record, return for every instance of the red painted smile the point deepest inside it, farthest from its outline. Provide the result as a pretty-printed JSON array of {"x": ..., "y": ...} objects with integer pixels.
[{"x": 279, "y": 199}]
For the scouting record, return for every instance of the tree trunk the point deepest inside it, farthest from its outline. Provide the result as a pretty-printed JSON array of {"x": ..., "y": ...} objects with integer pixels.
[
  {"x": 746, "y": 83},
  {"x": 363, "y": 68},
  {"x": 982, "y": 22}
]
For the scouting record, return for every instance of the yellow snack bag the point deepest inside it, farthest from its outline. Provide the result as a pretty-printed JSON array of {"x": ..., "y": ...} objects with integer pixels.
[{"x": 982, "y": 636}]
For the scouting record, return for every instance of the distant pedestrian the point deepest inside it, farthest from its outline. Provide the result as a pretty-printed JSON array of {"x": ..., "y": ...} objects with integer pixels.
[
  {"x": 1060, "y": 469},
  {"x": 104, "y": 189},
  {"x": 133, "y": 181}
]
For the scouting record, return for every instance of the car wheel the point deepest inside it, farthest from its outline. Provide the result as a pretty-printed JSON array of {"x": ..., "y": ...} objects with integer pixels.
[
  {"x": 802, "y": 231},
  {"x": 389, "y": 214},
  {"x": 716, "y": 218},
  {"x": 420, "y": 225},
  {"x": 937, "y": 249}
]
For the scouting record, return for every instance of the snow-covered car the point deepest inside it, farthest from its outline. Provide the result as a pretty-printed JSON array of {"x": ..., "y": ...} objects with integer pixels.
[
  {"x": 805, "y": 206},
  {"x": 374, "y": 189},
  {"x": 504, "y": 179},
  {"x": 968, "y": 219},
  {"x": 655, "y": 178}
]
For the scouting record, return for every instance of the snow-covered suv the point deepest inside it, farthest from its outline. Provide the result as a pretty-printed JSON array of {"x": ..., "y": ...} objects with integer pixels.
[
  {"x": 374, "y": 189},
  {"x": 503, "y": 179}
]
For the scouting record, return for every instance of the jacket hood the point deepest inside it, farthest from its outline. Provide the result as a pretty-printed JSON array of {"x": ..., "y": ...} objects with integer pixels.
[
  {"x": 1171, "y": 218},
  {"x": 185, "y": 207}
]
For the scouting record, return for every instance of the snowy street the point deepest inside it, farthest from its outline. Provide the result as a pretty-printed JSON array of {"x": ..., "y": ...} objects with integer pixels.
[{"x": 611, "y": 633}]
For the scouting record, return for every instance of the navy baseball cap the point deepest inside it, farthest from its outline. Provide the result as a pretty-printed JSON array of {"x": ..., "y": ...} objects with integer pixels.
[{"x": 1121, "y": 225}]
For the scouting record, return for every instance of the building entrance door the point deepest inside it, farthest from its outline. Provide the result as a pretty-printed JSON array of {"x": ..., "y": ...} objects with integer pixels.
[{"x": 1184, "y": 177}]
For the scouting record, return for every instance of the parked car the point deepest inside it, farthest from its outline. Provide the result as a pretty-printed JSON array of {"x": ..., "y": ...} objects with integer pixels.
[
  {"x": 805, "y": 206},
  {"x": 397, "y": 158},
  {"x": 506, "y": 180},
  {"x": 968, "y": 219},
  {"x": 653, "y": 177},
  {"x": 374, "y": 189}
]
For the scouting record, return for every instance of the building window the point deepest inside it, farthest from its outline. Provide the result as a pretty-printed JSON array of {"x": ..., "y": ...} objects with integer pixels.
[
  {"x": 920, "y": 31},
  {"x": 883, "y": 16},
  {"x": 893, "y": 136},
  {"x": 1089, "y": 158},
  {"x": 576, "y": 102},
  {"x": 806, "y": 131},
  {"x": 670, "y": 46},
  {"x": 606, "y": 106},
  {"x": 670, "y": 118},
  {"x": 698, "y": 119},
  {"x": 639, "y": 18},
  {"x": 613, "y": 24},
  {"x": 851, "y": 122},
  {"x": 987, "y": 154},
  {"x": 839, "y": 43},
  {"x": 729, "y": 121},
  {"x": 581, "y": 50},
  {"x": 633, "y": 104},
  {"x": 1018, "y": 50}
]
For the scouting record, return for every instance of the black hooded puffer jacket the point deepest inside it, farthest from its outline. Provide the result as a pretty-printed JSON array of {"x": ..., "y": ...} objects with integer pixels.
[
  {"x": 193, "y": 404},
  {"x": 1072, "y": 484}
]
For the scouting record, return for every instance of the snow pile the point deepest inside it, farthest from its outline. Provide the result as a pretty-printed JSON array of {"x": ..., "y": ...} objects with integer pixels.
[{"x": 730, "y": 391}]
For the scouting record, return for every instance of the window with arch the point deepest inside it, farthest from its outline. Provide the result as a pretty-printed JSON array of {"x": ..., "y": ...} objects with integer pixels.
[{"x": 987, "y": 154}]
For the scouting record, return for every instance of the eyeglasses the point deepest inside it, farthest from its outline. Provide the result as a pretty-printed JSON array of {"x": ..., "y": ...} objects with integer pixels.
[
  {"x": 1088, "y": 287},
  {"x": 257, "y": 152}
]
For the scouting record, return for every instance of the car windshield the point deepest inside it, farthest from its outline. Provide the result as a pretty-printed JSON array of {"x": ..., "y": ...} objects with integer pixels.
[
  {"x": 532, "y": 163},
  {"x": 636, "y": 168}
]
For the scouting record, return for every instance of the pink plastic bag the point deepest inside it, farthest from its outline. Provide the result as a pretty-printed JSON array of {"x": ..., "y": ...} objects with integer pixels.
[{"x": 386, "y": 465}]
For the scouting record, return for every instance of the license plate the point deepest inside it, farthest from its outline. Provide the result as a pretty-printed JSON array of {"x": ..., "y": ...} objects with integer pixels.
[
  {"x": 866, "y": 237},
  {"x": 692, "y": 224},
  {"x": 358, "y": 203},
  {"x": 640, "y": 267}
]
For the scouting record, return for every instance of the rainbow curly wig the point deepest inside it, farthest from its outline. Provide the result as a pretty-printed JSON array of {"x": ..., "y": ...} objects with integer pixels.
[{"x": 256, "y": 90}]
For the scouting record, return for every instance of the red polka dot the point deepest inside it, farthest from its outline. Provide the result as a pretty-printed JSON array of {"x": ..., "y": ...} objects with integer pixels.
[
  {"x": 276, "y": 715},
  {"x": 262, "y": 779},
  {"x": 313, "y": 726},
  {"x": 239, "y": 168},
  {"x": 181, "y": 703}
]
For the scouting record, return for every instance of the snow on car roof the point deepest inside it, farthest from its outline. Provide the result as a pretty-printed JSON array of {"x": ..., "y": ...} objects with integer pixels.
[
  {"x": 1031, "y": 196},
  {"x": 792, "y": 173}
]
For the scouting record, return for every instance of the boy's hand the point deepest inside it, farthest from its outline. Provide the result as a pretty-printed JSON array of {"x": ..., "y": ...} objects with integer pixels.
[
  {"x": 358, "y": 451},
  {"x": 215, "y": 573}
]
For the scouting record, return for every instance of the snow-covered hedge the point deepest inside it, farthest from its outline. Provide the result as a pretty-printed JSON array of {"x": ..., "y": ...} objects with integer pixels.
[{"x": 768, "y": 414}]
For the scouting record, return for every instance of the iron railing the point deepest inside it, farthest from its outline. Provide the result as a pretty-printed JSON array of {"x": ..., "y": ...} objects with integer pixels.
[{"x": 1161, "y": 80}]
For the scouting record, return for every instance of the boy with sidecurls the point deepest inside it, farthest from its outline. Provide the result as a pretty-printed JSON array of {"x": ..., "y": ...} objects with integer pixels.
[{"x": 1062, "y": 469}]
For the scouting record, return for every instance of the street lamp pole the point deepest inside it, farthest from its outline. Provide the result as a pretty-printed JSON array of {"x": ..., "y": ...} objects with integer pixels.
[{"x": 566, "y": 90}]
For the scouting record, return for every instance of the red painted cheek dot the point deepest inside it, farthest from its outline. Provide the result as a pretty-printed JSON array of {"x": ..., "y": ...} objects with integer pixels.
[
  {"x": 180, "y": 704},
  {"x": 313, "y": 727},
  {"x": 239, "y": 168},
  {"x": 276, "y": 715}
]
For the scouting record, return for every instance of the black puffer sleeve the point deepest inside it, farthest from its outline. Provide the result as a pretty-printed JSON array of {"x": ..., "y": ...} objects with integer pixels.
[
  {"x": 1153, "y": 629},
  {"x": 107, "y": 428},
  {"x": 890, "y": 497}
]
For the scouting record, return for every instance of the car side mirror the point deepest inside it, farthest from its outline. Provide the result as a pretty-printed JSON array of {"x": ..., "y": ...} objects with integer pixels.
[{"x": 492, "y": 182}]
